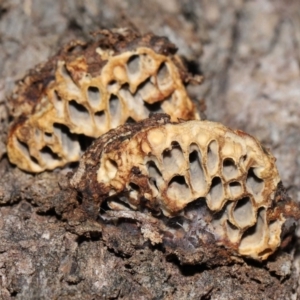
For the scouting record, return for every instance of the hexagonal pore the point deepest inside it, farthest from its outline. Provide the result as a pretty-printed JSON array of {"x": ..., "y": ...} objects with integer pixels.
[
  {"x": 100, "y": 119},
  {"x": 173, "y": 158},
  {"x": 133, "y": 66},
  {"x": 254, "y": 237},
  {"x": 155, "y": 177},
  {"x": 79, "y": 115},
  {"x": 68, "y": 140},
  {"x": 23, "y": 148},
  {"x": 178, "y": 190},
  {"x": 133, "y": 102},
  {"x": 233, "y": 232},
  {"x": 94, "y": 96},
  {"x": 212, "y": 157},
  {"x": 115, "y": 110},
  {"x": 230, "y": 170},
  {"x": 254, "y": 184},
  {"x": 235, "y": 189},
  {"x": 243, "y": 213},
  {"x": 216, "y": 194},
  {"x": 197, "y": 175},
  {"x": 164, "y": 79},
  {"x": 147, "y": 90},
  {"x": 48, "y": 156}
]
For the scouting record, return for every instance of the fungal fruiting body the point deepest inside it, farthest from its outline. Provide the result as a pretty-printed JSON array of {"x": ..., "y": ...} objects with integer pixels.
[
  {"x": 219, "y": 181},
  {"x": 90, "y": 88}
]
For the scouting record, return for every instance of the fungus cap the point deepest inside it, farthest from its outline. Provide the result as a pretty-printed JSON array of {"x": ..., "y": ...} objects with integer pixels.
[
  {"x": 216, "y": 179},
  {"x": 90, "y": 88}
]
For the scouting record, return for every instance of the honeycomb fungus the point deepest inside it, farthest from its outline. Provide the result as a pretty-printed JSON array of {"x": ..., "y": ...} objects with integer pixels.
[
  {"x": 90, "y": 88},
  {"x": 218, "y": 180}
]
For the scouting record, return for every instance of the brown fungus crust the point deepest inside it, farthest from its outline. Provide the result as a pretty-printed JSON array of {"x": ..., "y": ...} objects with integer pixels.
[
  {"x": 89, "y": 88},
  {"x": 190, "y": 185}
]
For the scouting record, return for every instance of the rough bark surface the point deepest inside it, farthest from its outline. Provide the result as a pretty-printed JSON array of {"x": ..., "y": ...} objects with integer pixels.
[{"x": 248, "y": 52}]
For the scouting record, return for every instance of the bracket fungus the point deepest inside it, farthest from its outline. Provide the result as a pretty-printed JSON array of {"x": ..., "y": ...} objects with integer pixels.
[
  {"x": 90, "y": 88},
  {"x": 221, "y": 184}
]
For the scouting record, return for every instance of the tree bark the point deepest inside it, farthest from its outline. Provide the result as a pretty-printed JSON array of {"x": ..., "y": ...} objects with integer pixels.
[{"x": 248, "y": 52}]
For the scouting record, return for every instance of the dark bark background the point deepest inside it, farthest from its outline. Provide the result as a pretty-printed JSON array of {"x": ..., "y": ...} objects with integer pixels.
[{"x": 249, "y": 54}]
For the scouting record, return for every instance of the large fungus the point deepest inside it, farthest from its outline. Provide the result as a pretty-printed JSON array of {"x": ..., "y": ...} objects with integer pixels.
[
  {"x": 217, "y": 180},
  {"x": 90, "y": 88}
]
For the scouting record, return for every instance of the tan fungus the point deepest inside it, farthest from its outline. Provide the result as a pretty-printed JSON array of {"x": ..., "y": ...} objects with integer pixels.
[
  {"x": 168, "y": 168},
  {"x": 90, "y": 88}
]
